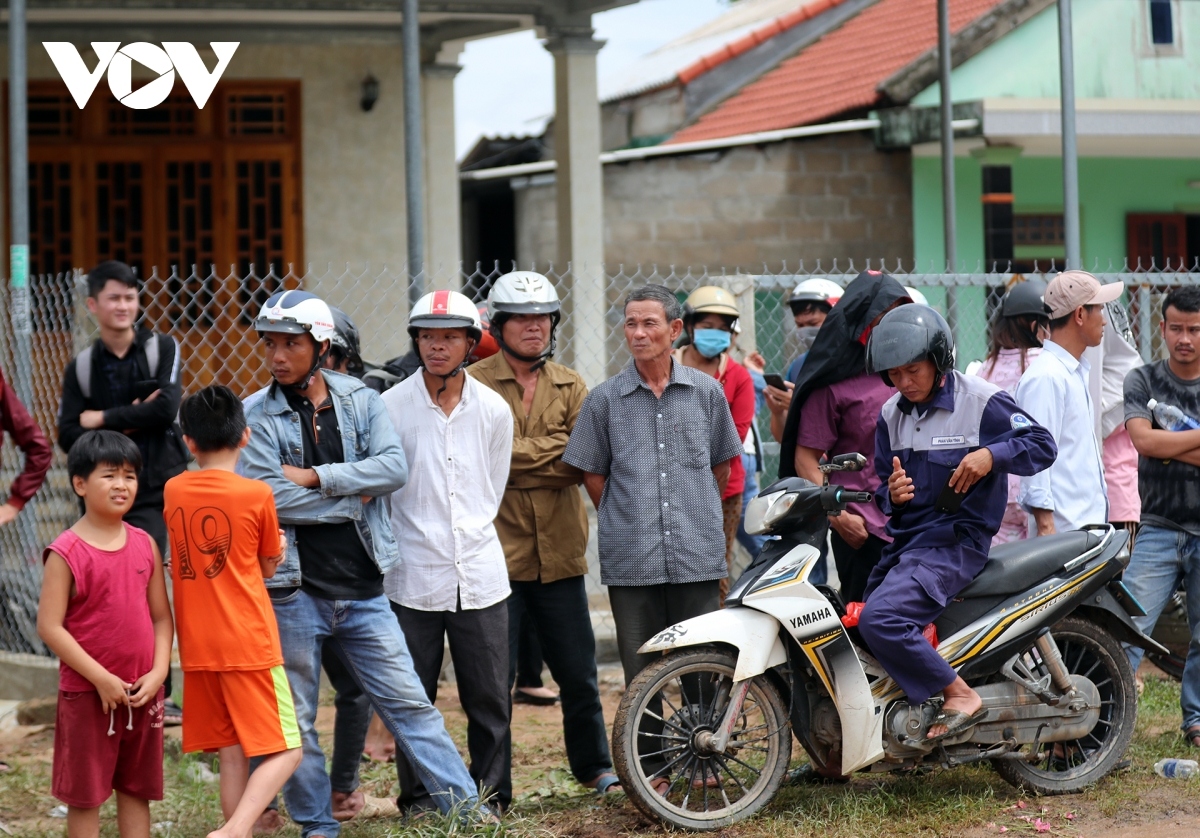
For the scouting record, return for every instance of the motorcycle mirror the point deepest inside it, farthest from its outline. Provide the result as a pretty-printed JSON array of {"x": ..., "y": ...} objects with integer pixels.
[{"x": 849, "y": 462}]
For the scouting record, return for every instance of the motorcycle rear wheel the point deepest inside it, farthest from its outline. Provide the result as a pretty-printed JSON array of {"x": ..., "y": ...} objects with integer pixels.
[
  {"x": 1066, "y": 767},
  {"x": 655, "y": 732}
]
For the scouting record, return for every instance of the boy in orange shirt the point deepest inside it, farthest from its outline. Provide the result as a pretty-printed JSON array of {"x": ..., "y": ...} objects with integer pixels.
[{"x": 225, "y": 539}]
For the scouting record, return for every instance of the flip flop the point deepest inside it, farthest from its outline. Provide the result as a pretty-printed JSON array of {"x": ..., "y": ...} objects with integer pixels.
[
  {"x": 606, "y": 784},
  {"x": 1191, "y": 735},
  {"x": 956, "y": 722}
]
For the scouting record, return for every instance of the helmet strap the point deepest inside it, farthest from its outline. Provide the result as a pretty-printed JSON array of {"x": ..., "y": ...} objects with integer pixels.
[
  {"x": 318, "y": 362},
  {"x": 536, "y": 362},
  {"x": 437, "y": 397}
]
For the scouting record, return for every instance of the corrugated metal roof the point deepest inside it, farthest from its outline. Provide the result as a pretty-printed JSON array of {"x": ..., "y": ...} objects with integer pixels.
[
  {"x": 838, "y": 73},
  {"x": 745, "y": 25}
]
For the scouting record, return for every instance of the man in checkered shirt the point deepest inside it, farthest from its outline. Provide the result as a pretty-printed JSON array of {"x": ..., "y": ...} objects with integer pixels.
[{"x": 655, "y": 444}]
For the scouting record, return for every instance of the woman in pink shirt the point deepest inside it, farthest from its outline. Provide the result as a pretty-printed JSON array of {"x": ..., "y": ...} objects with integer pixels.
[{"x": 1015, "y": 340}]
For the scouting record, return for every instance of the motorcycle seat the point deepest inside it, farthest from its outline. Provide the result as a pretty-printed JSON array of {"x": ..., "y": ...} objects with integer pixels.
[{"x": 1019, "y": 565}]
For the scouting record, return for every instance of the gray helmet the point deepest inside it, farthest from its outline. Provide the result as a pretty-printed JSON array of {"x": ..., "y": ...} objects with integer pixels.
[
  {"x": 345, "y": 339},
  {"x": 908, "y": 334},
  {"x": 523, "y": 292},
  {"x": 1025, "y": 298}
]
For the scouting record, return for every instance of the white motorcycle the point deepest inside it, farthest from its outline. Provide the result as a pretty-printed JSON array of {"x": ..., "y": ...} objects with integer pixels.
[{"x": 703, "y": 736}]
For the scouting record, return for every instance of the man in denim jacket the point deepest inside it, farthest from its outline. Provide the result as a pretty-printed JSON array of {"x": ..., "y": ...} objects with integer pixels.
[{"x": 325, "y": 445}]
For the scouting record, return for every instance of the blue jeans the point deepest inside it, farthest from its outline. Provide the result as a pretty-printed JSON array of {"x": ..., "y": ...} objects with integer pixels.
[
  {"x": 1161, "y": 559},
  {"x": 370, "y": 642},
  {"x": 752, "y": 543}
]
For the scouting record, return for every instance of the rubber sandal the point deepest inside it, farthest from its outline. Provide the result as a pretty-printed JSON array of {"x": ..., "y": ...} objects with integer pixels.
[
  {"x": 956, "y": 723},
  {"x": 606, "y": 784},
  {"x": 1191, "y": 735},
  {"x": 172, "y": 714},
  {"x": 661, "y": 786}
]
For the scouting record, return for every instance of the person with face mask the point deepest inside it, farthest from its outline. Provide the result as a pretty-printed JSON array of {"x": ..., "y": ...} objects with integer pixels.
[
  {"x": 810, "y": 303},
  {"x": 709, "y": 316},
  {"x": 1015, "y": 339}
]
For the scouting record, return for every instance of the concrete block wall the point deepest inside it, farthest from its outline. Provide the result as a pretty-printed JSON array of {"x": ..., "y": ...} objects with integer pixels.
[{"x": 819, "y": 198}]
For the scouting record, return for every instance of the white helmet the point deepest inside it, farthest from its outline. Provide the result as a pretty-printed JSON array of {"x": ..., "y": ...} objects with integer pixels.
[
  {"x": 523, "y": 292},
  {"x": 296, "y": 313},
  {"x": 816, "y": 291},
  {"x": 445, "y": 310},
  {"x": 916, "y": 296}
]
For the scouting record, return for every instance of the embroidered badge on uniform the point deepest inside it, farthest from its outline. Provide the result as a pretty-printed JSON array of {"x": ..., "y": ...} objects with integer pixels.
[{"x": 1020, "y": 420}]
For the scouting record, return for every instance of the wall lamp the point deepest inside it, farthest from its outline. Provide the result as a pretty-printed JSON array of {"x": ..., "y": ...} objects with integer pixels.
[{"x": 370, "y": 92}]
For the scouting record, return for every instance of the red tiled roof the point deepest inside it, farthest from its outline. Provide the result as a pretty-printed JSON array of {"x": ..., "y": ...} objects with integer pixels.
[
  {"x": 758, "y": 36},
  {"x": 838, "y": 73}
]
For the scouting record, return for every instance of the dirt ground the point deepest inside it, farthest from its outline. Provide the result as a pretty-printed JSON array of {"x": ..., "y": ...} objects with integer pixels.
[{"x": 548, "y": 798}]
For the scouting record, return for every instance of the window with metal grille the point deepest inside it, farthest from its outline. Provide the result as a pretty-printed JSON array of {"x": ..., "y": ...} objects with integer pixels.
[{"x": 1038, "y": 230}]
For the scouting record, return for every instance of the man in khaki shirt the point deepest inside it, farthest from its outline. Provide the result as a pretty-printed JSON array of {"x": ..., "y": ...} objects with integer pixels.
[{"x": 542, "y": 523}]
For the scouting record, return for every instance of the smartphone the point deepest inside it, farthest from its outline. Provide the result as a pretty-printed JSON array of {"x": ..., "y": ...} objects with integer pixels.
[
  {"x": 143, "y": 389},
  {"x": 774, "y": 380},
  {"x": 949, "y": 500}
]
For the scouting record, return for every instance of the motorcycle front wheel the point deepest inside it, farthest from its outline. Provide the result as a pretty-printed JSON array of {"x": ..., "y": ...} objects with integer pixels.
[
  {"x": 660, "y": 733},
  {"x": 1065, "y": 767}
]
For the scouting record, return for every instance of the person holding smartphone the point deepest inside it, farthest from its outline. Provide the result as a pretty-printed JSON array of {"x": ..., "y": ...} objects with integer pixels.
[{"x": 128, "y": 381}]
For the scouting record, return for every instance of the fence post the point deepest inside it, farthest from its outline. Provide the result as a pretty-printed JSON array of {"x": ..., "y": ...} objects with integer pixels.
[
  {"x": 1145, "y": 339},
  {"x": 742, "y": 287}
]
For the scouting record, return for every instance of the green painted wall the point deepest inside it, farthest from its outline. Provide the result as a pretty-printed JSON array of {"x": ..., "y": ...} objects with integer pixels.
[
  {"x": 1113, "y": 57},
  {"x": 1109, "y": 188}
]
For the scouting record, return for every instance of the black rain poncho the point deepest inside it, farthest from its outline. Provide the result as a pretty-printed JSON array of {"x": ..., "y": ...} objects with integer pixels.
[{"x": 839, "y": 350}]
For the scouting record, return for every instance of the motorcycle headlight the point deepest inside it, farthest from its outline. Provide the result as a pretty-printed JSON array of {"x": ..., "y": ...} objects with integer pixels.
[{"x": 764, "y": 512}]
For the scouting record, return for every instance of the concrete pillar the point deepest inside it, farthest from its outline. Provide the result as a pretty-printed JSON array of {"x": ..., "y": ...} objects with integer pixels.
[
  {"x": 580, "y": 199},
  {"x": 443, "y": 220}
]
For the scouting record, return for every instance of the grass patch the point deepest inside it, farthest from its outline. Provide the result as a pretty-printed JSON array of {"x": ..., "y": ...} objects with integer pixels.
[{"x": 971, "y": 800}]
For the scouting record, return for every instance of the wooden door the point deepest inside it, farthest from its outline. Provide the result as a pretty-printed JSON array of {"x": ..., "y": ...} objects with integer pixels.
[{"x": 1156, "y": 241}]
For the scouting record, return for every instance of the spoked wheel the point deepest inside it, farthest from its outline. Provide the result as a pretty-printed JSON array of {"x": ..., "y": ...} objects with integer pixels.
[
  {"x": 662, "y": 745},
  {"x": 1063, "y": 767}
]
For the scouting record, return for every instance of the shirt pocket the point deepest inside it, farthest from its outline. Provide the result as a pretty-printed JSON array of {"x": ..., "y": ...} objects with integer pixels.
[
  {"x": 692, "y": 445},
  {"x": 946, "y": 460}
]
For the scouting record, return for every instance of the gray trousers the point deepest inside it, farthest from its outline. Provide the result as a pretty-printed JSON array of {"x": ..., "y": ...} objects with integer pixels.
[
  {"x": 642, "y": 611},
  {"x": 479, "y": 649}
]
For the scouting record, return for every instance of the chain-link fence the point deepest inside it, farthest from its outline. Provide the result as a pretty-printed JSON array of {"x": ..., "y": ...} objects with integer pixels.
[{"x": 211, "y": 317}]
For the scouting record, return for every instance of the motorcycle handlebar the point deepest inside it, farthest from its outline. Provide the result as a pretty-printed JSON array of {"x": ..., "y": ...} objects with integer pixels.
[{"x": 836, "y": 498}]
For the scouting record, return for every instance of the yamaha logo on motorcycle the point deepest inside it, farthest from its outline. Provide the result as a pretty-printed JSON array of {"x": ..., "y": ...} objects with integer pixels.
[{"x": 703, "y": 735}]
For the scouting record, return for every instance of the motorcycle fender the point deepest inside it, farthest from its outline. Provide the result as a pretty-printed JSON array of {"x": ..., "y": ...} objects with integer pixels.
[
  {"x": 1102, "y": 608},
  {"x": 756, "y": 636}
]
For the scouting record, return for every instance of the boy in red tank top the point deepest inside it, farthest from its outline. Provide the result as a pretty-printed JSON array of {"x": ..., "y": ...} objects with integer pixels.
[
  {"x": 104, "y": 613},
  {"x": 225, "y": 539}
]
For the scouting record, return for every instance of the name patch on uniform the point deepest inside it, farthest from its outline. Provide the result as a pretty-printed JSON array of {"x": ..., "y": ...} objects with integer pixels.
[
  {"x": 949, "y": 440},
  {"x": 1020, "y": 420}
]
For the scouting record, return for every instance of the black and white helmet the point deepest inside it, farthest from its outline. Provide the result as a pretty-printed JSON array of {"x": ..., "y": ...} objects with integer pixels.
[{"x": 345, "y": 340}]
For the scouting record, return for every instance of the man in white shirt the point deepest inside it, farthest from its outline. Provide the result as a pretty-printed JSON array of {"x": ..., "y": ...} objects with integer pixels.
[
  {"x": 1054, "y": 392},
  {"x": 452, "y": 579}
]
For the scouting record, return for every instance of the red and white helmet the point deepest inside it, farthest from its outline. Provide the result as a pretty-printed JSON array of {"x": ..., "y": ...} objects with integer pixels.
[
  {"x": 816, "y": 291},
  {"x": 445, "y": 310}
]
